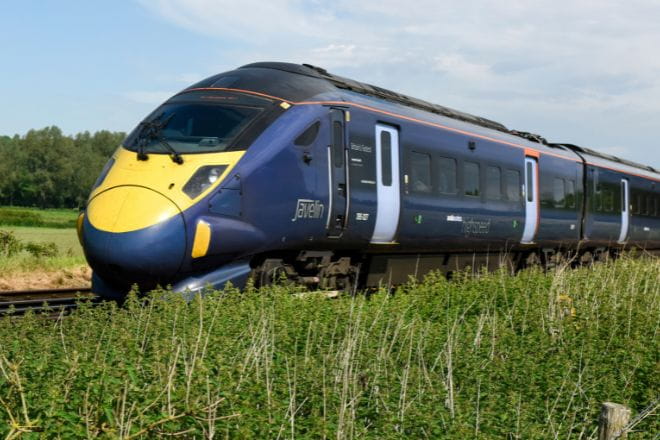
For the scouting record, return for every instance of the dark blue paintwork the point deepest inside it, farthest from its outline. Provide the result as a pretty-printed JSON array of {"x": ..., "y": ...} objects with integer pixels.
[
  {"x": 254, "y": 210},
  {"x": 147, "y": 256}
]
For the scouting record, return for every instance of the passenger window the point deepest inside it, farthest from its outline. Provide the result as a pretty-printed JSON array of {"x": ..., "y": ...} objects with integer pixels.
[
  {"x": 338, "y": 144},
  {"x": 512, "y": 178},
  {"x": 558, "y": 193},
  {"x": 570, "y": 194},
  {"x": 308, "y": 136},
  {"x": 420, "y": 172},
  {"x": 635, "y": 203},
  {"x": 598, "y": 199},
  {"x": 493, "y": 183},
  {"x": 447, "y": 175},
  {"x": 471, "y": 179},
  {"x": 386, "y": 157},
  {"x": 649, "y": 205},
  {"x": 608, "y": 199}
]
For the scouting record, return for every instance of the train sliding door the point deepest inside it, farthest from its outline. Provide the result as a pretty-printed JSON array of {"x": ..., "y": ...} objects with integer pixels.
[
  {"x": 532, "y": 211},
  {"x": 337, "y": 175},
  {"x": 625, "y": 211},
  {"x": 387, "y": 184}
]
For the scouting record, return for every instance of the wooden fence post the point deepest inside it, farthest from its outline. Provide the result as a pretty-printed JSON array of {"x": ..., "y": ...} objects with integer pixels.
[{"x": 613, "y": 418}]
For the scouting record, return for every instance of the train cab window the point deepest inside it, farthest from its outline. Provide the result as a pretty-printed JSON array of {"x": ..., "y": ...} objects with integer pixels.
[
  {"x": 471, "y": 179},
  {"x": 420, "y": 172},
  {"x": 447, "y": 175},
  {"x": 493, "y": 183},
  {"x": 558, "y": 193},
  {"x": 308, "y": 136},
  {"x": 512, "y": 183},
  {"x": 386, "y": 157},
  {"x": 570, "y": 193}
]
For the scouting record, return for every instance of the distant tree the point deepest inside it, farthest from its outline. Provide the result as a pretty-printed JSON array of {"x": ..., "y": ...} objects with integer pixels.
[{"x": 46, "y": 168}]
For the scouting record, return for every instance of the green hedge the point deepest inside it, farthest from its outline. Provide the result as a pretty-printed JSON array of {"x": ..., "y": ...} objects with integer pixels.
[
  {"x": 525, "y": 357},
  {"x": 11, "y": 216}
]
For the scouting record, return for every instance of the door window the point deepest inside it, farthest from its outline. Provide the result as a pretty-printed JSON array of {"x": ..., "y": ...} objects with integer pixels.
[
  {"x": 386, "y": 157},
  {"x": 530, "y": 182},
  {"x": 337, "y": 144}
]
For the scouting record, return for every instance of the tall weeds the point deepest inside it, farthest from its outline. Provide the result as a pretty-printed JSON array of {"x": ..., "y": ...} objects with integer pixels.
[{"x": 494, "y": 356}]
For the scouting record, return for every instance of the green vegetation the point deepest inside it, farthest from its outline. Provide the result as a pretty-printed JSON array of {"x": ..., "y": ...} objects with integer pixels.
[
  {"x": 32, "y": 238},
  {"x": 26, "y": 248},
  {"x": 47, "y": 169},
  {"x": 45, "y": 218},
  {"x": 529, "y": 357}
]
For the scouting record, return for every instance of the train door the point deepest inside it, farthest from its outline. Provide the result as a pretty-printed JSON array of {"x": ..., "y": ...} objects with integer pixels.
[
  {"x": 337, "y": 175},
  {"x": 625, "y": 211},
  {"x": 532, "y": 212},
  {"x": 387, "y": 184}
]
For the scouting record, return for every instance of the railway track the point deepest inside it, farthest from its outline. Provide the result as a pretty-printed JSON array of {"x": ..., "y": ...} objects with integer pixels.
[{"x": 56, "y": 300}]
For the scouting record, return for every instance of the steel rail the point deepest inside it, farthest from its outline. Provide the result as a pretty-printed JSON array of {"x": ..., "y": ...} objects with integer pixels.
[{"x": 17, "y": 302}]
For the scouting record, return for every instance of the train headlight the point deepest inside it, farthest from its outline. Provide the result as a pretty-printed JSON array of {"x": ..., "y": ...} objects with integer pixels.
[{"x": 203, "y": 178}]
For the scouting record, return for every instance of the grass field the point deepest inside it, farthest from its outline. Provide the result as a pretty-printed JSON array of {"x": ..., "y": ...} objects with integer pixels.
[
  {"x": 493, "y": 357},
  {"x": 65, "y": 239},
  {"x": 32, "y": 225},
  {"x": 69, "y": 255},
  {"x": 49, "y": 218}
]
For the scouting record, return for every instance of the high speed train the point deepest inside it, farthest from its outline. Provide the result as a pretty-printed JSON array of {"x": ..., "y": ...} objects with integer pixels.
[{"x": 282, "y": 171}]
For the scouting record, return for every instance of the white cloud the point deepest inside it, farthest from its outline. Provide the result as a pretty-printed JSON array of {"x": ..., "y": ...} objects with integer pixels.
[
  {"x": 457, "y": 66},
  {"x": 524, "y": 62}
]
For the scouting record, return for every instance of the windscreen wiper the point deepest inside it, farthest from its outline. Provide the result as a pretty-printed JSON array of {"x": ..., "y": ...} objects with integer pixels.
[
  {"x": 151, "y": 130},
  {"x": 175, "y": 156}
]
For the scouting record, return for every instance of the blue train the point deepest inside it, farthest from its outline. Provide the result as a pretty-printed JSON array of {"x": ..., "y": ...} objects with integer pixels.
[{"x": 277, "y": 170}]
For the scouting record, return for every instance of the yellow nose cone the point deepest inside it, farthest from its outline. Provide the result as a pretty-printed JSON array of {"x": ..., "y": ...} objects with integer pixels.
[{"x": 129, "y": 208}]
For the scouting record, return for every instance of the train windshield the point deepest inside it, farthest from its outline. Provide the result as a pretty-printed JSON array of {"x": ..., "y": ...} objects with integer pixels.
[{"x": 191, "y": 127}]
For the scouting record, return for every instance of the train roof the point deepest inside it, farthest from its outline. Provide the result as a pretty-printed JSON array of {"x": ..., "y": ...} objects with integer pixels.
[
  {"x": 308, "y": 81},
  {"x": 605, "y": 160}
]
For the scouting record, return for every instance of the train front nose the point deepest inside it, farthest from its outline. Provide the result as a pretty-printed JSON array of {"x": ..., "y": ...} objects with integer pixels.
[{"x": 132, "y": 234}]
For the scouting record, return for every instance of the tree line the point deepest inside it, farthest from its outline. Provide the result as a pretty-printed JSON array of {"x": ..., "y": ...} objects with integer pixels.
[{"x": 47, "y": 169}]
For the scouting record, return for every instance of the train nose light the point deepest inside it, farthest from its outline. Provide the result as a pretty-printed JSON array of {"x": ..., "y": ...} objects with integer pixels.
[
  {"x": 203, "y": 178},
  {"x": 213, "y": 175}
]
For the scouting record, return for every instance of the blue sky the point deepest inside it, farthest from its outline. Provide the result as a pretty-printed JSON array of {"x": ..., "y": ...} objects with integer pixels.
[{"x": 585, "y": 72}]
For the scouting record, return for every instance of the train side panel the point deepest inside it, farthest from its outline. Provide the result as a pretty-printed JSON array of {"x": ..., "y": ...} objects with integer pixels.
[
  {"x": 561, "y": 193},
  {"x": 644, "y": 213}
]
